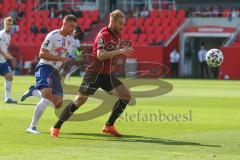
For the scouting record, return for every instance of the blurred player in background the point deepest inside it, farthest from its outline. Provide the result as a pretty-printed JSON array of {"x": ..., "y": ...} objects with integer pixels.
[
  {"x": 76, "y": 55},
  {"x": 53, "y": 52},
  {"x": 5, "y": 70},
  {"x": 202, "y": 61},
  {"x": 99, "y": 75}
]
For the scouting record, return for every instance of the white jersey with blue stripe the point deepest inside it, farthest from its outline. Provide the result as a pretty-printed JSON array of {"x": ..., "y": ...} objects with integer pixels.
[{"x": 57, "y": 45}]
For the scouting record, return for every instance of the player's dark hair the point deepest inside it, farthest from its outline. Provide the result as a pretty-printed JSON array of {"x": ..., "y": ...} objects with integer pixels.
[{"x": 69, "y": 18}]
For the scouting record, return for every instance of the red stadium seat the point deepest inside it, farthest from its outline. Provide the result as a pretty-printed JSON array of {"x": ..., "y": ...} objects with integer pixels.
[
  {"x": 55, "y": 20},
  {"x": 148, "y": 21},
  {"x": 164, "y": 13},
  {"x": 151, "y": 36},
  {"x": 21, "y": 6},
  {"x": 87, "y": 14},
  {"x": 45, "y": 13},
  {"x": 158, "y": 22},
  {"x": 166, "y": 22},
  {"x": 30, "y": 39},
  {"x": 154, "y": 14},
  {"x": 125, "y": 36},
  {"x": 22, "y": 38},
  {"x": 133, "y": 36},
  {"x": 131, "y": 29},
  {"x": 80, "y": 21},
  {"x": 149, "y": 29},
  {"x": 158, "y": 29},
  {"x": 95, "y": 15},
  {"x": 140, "y": 21},
  {"x": 181, "y": 13},
  {"x": 142, "y": 37},
  {"x": 87, "y": 25},
  {"x": 141, "y": 42},
  {"x": 172, "y": 13},
  {"x": 130, "y": 21}
]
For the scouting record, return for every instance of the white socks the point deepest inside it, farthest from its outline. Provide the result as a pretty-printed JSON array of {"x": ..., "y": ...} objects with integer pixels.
[
  {"x": 37, "y": 93},
  {"x": 8, "y": 86},
  {"x": 40, "y": 107}
]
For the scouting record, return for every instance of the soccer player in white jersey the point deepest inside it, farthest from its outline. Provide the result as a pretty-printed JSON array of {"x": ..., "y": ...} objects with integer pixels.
[
  {"x": 53, "y": 52},
  {"x": 5, "y": 70}
]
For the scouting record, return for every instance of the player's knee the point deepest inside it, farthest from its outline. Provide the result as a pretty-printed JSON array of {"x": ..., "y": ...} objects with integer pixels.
[
  {"x": 57, "y": 102},
  {"x": 9, "y": 77},
  {"x": 58, "y": 105},
  {"x": 127, "y": 96},
  {"x": 80, "y": 100}
]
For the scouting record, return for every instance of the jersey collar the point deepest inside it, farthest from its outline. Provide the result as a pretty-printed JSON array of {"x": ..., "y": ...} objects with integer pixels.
[{"x": 113, "y": 33}]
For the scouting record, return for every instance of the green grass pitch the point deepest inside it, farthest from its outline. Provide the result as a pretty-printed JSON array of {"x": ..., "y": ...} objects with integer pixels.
[{"x": 209, "y": 131}]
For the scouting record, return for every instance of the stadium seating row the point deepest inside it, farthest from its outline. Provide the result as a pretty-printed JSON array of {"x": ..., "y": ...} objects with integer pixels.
[
  {"x": 40, "y": 18},
  {"x": 159, "y": 26}
]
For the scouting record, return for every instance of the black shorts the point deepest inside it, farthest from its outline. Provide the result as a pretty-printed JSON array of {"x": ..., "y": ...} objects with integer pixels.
[{"x": 92, "y": 82}]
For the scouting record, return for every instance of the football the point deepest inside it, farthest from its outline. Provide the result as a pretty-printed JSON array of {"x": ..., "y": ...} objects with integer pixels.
[{"x": 214, "y": 57}]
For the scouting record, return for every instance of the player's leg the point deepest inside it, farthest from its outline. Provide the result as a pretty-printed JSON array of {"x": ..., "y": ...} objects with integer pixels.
[
  {"x": 8, "y": 87},
  {"x": 78, "y": 101},
  {"x": 76, "y": 65},
  {"x": 124, "y": 96},
  {"x": 206, "y": 69},
  {"x": 85, "y": 91},
  {"x": 32, "y": 91},
  {"x": 56, "y": 101},
  {"x": 43, "y": 84},
  {"x": 73, "y": 69},
  {"x": 40, "y": 108},
  {"x": 171, "y": 70}
]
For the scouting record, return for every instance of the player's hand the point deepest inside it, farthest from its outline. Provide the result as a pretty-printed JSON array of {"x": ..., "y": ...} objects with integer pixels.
[
  {"x": 8, "y": 57},
  {"x": 5, "y": 57},
  {"x": 127, "y": 51}
]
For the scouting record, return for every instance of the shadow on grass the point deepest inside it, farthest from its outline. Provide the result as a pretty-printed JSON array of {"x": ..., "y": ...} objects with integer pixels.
[
  {"x": 133, "y": 138},
  {"x": 27, "y": 104}
]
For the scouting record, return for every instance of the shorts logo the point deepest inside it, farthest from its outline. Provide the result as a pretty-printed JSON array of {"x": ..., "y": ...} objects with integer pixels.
[{"x": 49, "y": 80}]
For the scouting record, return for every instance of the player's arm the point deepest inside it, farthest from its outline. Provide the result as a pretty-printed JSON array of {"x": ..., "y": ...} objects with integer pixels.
[
  {"x": 9, "y": 55},
  {"x": 102, "y": 54},
  {"x": 1, "y": 51},
  {"x": 44, "y": 54}
]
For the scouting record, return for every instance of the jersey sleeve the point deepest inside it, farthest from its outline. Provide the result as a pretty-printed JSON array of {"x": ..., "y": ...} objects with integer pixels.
[
  {"x": 102, "y": 40},
  {"x": 48, "y": 42},
  {"x": 78, "y": 43},
  {"x": 2, "y": 41}
]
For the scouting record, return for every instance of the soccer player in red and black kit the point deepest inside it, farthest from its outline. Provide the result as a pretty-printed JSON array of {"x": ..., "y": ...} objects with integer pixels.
[{"x": 99, "y": 75}]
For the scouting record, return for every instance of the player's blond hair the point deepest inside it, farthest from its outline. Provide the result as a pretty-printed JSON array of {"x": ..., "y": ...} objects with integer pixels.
[
  {"x": 8, "y": 19},
  {"x": 117, "y": 14}
]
